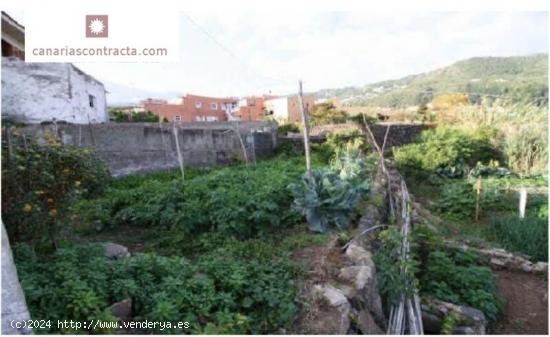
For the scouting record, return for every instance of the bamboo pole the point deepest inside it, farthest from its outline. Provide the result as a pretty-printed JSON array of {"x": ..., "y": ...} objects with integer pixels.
[
  {"x": 180, "y": 156},
  {"x": 243, "y": 147},
  {"x": 305, "y": 121}
]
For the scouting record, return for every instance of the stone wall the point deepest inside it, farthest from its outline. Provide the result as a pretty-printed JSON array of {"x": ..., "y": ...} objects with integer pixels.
[
  {"x": 141, "y": 147},
  {"x": 399, "y": 133}
]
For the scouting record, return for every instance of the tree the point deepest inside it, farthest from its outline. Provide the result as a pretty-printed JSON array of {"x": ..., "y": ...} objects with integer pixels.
[{"x": 327, "y": 113}]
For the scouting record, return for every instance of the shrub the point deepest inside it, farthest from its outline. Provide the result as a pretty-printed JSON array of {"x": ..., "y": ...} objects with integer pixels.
[
  {"x": 232, "y": 289},
  {"x": 446, "y": 147},
  {"x": 337, "y": 143},
  {"x": 327, "y": 113},
  {"x": 39, "y": 183},
  {"x": 528, "y": 236},
  {"x": 135, "y": 117},
  {"x": 288, "y": 127}
]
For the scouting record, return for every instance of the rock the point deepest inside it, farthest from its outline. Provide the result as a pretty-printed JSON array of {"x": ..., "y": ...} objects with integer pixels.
[
  {"x": 115, "y": 251},
  {"x": 463, "y": 330},
  {"x": 358, "y": 276},
  {"x": 367, "y": 325},
  {"x": 470, "y": 320},
  {"x": 332, "y": 295},
  {"x": 359, "y": 256},
  {"x": 541, "y": 267},
  {"x": 527, "y": 267},
  {"x": 431, "y": 322},
  {"x": 497, "y": 262},
  {"x": 332, "y": 320},
  {"x": 123, "y": 309}
]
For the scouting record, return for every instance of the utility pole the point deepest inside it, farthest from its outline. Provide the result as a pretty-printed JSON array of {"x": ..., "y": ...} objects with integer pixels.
[{"x": 305, "y": 120}]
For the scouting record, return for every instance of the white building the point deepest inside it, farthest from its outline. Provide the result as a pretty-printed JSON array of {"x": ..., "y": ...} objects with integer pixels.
[{"x": 39, "y": 92}]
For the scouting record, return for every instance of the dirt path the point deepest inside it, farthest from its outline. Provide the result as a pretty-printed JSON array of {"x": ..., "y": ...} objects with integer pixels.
[{"x": 526, "y": 308}]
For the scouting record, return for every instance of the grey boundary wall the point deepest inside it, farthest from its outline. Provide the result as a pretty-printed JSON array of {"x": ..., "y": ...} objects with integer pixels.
[{"x": 143, "y": 147}]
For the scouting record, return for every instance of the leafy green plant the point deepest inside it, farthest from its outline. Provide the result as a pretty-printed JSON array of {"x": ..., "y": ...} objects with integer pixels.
[
  {"x": 491, "y": 169},
  {"x": 457, "y": 200},
  {"x": 231, "y": 289},
  {"x": 454, "y": 275},
  {"x": 528, "y": 236},
  {"x": 449, "y": 323},
  {"x": 325, "y": 199},
  {"x": 391, "y": 280},
  {"x": 40, "y": 182},
  {"x": 232, "y": 200}
]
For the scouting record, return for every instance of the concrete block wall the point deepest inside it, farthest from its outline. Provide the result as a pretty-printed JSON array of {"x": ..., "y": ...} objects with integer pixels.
[{"x": 142, "y": 147}]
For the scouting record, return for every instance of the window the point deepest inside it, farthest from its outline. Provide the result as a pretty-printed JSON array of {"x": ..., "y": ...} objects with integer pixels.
[
  {"x": 214, "y": 106},
  {"x": 91, "y": 98},
  {"x": 211, "y": 118},
  {"x": 198, "y": 105},
  {"x": 177, "y": 118}
]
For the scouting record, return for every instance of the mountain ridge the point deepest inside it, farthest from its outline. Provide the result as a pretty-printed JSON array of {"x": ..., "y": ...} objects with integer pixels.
[{"x": 516, "y": 78}]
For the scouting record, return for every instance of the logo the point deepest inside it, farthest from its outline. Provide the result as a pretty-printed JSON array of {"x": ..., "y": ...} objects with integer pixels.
[{"x": 97, "y": 25}]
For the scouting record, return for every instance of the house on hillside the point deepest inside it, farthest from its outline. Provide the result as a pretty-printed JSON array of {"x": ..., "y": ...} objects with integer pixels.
[
  {"x": 287, "y": 109},
  {"x": 193, "y": 108},
  {"x": 43, "y": 92}
]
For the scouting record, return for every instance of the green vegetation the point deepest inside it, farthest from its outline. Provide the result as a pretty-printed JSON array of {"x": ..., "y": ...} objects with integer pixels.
[
  {"x": 454, "y": 275},
  {"x": 237, "y": 288},
  {"x": 288, "y": 127},
  {"x": 233, "y": 201},
  {"x": 40, "y": 183},
  {"x": 391, "y": 281},
  {"x": 217, "y": 252},
  {"x": 518, "y": 79},
  {"x": 135, "y": 117},
  {"x": 327, "y": 113},
  {"x": 329, "y": 197},
  {"x": 446, "y": 149},
  {"x": 528, "y": 236}
]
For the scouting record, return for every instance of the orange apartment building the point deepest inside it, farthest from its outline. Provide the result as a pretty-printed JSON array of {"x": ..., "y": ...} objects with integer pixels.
[
  {"x": 252, "y": 108},
  {"x": 193, "y": 108}
]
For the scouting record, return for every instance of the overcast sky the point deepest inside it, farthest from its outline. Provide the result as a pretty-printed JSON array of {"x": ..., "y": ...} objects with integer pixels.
[{"x": 270, "y": 51}]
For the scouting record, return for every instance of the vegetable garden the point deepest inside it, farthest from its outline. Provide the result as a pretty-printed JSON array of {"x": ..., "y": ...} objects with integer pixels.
[{"x": 217, "y": 249}]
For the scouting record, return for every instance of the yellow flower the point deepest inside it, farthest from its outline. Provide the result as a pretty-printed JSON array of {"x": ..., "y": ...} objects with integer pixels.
[
  {"x": 27, "y": 208},
  {"x": 77, "y": 183},
  {"x": 66, "y": 170},
  {"x": 39, "y": 192},
  {"x": 53, "y": 212}
]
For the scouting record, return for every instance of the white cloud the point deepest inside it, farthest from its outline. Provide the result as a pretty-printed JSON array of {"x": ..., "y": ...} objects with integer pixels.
[{"x": 274, "y": 49}]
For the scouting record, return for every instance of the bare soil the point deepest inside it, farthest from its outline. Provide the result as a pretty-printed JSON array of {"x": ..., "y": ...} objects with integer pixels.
[{"x": 526, "y": 307}]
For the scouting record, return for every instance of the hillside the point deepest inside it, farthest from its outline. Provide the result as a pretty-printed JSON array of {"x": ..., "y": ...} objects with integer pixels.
[{"x": 521, "y": 78}]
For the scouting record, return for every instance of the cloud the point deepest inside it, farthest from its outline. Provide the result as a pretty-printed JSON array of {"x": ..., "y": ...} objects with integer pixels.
[{"x": 271, "y": 50}]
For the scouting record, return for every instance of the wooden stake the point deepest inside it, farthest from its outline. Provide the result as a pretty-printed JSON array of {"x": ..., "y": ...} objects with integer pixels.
[
  {"x": 478, "y": 192},
  {"x": 180, "y": 157},
  {"x": 305, "y": 120}
]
